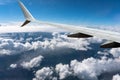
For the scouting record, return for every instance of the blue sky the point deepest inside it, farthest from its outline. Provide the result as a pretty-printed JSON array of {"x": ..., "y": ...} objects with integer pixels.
[{"x": 77, "y": 12}]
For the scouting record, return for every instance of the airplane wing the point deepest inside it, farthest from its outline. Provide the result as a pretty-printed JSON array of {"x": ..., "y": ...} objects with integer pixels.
[{"x": 78, "y": 32}]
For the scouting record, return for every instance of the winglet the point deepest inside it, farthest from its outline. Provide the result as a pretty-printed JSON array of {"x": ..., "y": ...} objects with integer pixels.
[{"x": 26, "y": 13}]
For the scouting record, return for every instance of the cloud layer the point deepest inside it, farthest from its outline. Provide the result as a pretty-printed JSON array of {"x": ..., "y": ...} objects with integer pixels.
[
  {"x": 87, "y": 69},
  {"x": 11, "y": 46}
]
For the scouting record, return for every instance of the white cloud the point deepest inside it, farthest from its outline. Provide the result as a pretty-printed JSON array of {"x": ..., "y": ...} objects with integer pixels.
[
  {"x": 116, "y": 77},
  {"x": 35, "y": 62},
  {"x": 5, "y": 52},
  {"x": 43, "y": 73},
  {"x": 90, "y": 68},
  {"x": 54, "y": 78},
  {"x": 59, "y": 41},
  {"x": 115, "y": 52},
  {"x": 10, "y": 47},
  {"x": 63, "y": 70},
  {"x": 105, "y": 53},
  {"x": 13, "y": 65}
]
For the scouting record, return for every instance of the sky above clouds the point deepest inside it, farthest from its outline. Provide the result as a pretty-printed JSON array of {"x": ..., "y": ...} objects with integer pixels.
[{"x": 85, "y": 12}]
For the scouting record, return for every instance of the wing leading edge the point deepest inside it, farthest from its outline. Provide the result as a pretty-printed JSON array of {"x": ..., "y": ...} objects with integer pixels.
[{"x": 79, "y": 32}]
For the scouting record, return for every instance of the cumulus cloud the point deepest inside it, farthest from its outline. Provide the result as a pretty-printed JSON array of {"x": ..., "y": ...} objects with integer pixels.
[
  {"x": 105, "y": 53},
  {"x": 9, "y": 47},
  {"x": 35, "y": 62},
  {"x": 43, "y": 74},
  {"x": 58, "y": 41},
  {"x": 116, "y": 77},
  {"x": 74, "y": 43},
  {"x": 13, "y": 65},
  {"x": 91, "y": 68},
  {"x": 62, "y": 41},
  {"x": 63, "y": 70},
  {"x": 115, "y": 52},
  {"x": 88, "y": 69}
]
